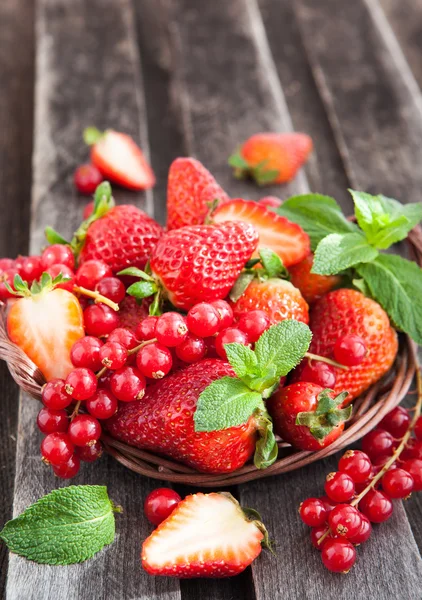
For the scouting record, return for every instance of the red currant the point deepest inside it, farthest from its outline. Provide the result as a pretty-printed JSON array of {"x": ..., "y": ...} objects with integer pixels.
[
  {"x": 51, "y": 421},
  {"x": 84, "y": 430},
  {"x": 328, "y": 503},
  {"x": 58, "y": 254},
  {"x": 254, "y": 323},
  {"x": 356, "y": 464},
  {"x": 90, "y": 453},
  {"x": 146, "y": 329},
  {"x": 378, "y": 442},
  {"x": 159, "y": 504},
  {"x": 338, "y": 555},
  {"x": 271, "y": 201},
  {"x": 312, "y": 511},
  {"x": 56, "y": 270},
  {"x": 86, "y": 353},
  {"x": 8, "y": 277},
  {"x": 318, "y": 372},
  {"x": 88, "y": 210},
  {"x": 113, "y": 355},
  {"x": 316, "y": 535},
  {"x": 56, "y": 448},
  {"x": 53, "y": 395},
  {"x": 91, "y": 272},
  {"x": 123, "y": 336},
  {"x": 102, "y": 405},
  {"x": 225, "y": 313},
  {"x": 413, "y": 449},
  {"x": 397, "y": 483},
  {"x": 6, "y": 264},
  {"x": 31, "y": 268},
  {"x": 128, "y": 384},
  {"x": 396, "y": 422},
  {"x": 87, "y": 178},
  {"x": 171, "y": 329},
  {"x": 229, "y": 336},
  {"x": 349, "y": 350},
  {"x": 112, "y": 288},
  {"x": 100, "y": 320},
  {"x": 414, "y": 467},
  {"x": 376, "y": 506},
  {"x": 203, "y": 320},
  {"x": 192, "y": 349},
  {"x": 418, "y": 429},
  {"x": 154, "y": 361},
  {"x": 344, "y": 520},
  {"x": 210, "y": 351},
  {"x": 68, "y": 469},
  {"x": 339, "y": 487},
  {"x": 81, "y": 383},
  {"x": 363, "y": 533},
  {"x": 104, "y": 380}
]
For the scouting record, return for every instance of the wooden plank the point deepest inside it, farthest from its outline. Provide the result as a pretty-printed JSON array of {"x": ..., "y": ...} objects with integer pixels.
[
  {"x": 16, "y": 103},
  {"x": 88, "y": 72}
]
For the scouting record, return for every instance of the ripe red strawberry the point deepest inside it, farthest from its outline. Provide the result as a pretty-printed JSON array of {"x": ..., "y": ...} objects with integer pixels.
[
  {"x": 124, "y": 236},
  {"x": 312, "y": 286},
  {"x": 293, "y": 411},
  {"x": 206, "y": 535},
  {"x": 190, "y": 190},
  {"x": 272, "y": 157},
  {"x": 277, "y": 297},
  {"x": 131, "y": 313},
  {"x": 163, "y": 422},
  {"x": 343, "y": 312},
  {"x": 277, "y": 233},
  {"x": 200, "y": 263},
  {"x": 119, "y": 159}
]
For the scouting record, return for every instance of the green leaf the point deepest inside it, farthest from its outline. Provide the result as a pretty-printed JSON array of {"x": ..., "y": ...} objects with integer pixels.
[
  {"x": 266, "y": 449},
  {"x": 396, "y": 283},
  {"x": 237, "y": 161},
  {"x": 241, "y": 358},
  {"x": 67, "y": 526},
  {"x": 360, "y": 285},
  {"x": 134, "y": 272},
  {"x": 318, "y": 215},
  {"x": 142, "y": 289},
  {"x": 226, "y": 402},
  {"x": 240, "y": 286},
  {"x": 103, "y": 199},
  {"x": 272, "y": 263},
  {"x": 46, "y": 280},
  {"x": 92, "y": 135},
  {"x": 262, "y": 175},
  {"x": 326, "y": 416},
  {"x": 53, "y": 237},
  {"x": 340, "y": 251}
]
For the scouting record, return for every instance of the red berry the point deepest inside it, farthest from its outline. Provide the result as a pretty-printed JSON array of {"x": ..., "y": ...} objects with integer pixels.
[
  {"x": 376, "y": 506},
  {"x": 91, "y": 272},
  {"x": 154, "y": 361},
  {"x": 349, "y": 350},
  {"x": 396, "y": 422},
  {"x": 363, "y": 533},
  {"x": 271, "y": 201},
  {"x": 203, "y": 320},
  {"x": 100, "y": 320},
  {"x": 59, "y": 269},
  {"x": 6, "y": 264},
  {"x": 225, "y": 313},
  {"x": 87, "y": 178},
  {"x": 68, "y": 469},
  {"x": 254, "y": 323},
  {"x": 54, "y": 396},
  {"x": 86, "y": 353},
  {"x": 339, "y": 487},
  {"x": 58, "y": 254},
  {"x": 81, "y": 383},
  {"x": 8, "y": 277},
  {"x": 414, "y": 467},
  {"x": 51, "y": 421},
  {"x": 56, "y": 448},
  {"x": 171, "y": 329},
  {"x": 229, "y": 336},
  {"x": 123, "y": 336},
  {"x": 413, "y": 449},
  {"x": 104, "y": 380},
  {"x": 338, "y": 555},
  {"x": 113, "y": 355},
  {"x": 356, "y": 464},
  {"x": 192, "y": 349},
  {"x": 31, "y": 268},
  {"x": 89, "y": 453},
  {"x": 159, "y": 504},
  {"x": 88, "y": 210},
  {"x": 316, "y": 535},
  {"x": 397, "y": 483},
  {"x": 128, "y": 384},
  {"x": 328, "y": 503},
  {"x": 378, "y": 442},
  {"x": 112, "y": 288},
  {"x": 313, "y": 512},
  {"x": 102, "y": 405},
  {"x": 318, "y": 372},
  {"x": 146, "y": 329},
  {"x": 418, "y": 429},
  {"x": 344, "y": 520},
  {"x": 84, "y": 430}
]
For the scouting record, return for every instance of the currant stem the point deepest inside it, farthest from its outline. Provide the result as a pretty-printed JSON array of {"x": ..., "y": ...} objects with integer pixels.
[
  {"x": 96, "y": 296},
  {"x": 325, "y": 360},
  {"x": 75, "y": 410},
  {"x": 141, "y": 345}
]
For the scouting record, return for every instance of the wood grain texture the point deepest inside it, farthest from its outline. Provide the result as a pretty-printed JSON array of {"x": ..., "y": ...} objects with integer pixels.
[
  {"x": 88, "y": 72},
  {"x": 16, "y": 109}
]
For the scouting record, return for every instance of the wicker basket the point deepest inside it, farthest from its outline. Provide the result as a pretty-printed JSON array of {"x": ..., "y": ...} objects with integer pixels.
[{"x": 368, "y": 411}]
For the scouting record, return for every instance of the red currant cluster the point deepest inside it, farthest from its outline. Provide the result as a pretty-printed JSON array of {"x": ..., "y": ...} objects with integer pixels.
[{"x": 361, "y": 491}]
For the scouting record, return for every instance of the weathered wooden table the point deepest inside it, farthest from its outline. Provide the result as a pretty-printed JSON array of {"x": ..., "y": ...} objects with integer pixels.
[{"x": 193, "y": 77}]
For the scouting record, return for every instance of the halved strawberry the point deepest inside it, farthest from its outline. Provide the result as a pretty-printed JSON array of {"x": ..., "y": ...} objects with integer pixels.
[
  {"x": 207, "y": 535},
  {"x": 277, "y": 233},
  {"x": 119, "y": 159}
]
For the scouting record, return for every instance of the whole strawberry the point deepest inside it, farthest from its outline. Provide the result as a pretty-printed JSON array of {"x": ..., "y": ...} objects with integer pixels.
[
  {"x": 163, "y": 422},
  {"x": 191, "y": 189},
  {"x": 345, "y": 312},
  {"x": 312, "y": 286}
]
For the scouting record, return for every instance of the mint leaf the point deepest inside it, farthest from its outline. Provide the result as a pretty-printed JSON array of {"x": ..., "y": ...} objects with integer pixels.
[
  {"x": 241, "y": 358},
  {"x": 226, "y": 402},
  {"x": 67, "y": 526},
  {"x": 272, "y": 263},
  {"x": 318, "y": 215},
  {"x": 340, "y": 251},
  {"x": 396, "y": 283},
  {"x": 266, "y": 449},
  {"x": 142, "y": 289}
]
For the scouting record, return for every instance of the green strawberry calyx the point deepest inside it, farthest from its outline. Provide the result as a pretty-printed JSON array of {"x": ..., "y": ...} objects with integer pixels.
[
  {"x": 233, "y": 401},
  {"x": 271, "y": 266},
  {"x": 146, "y": 287},
  {"x": 45, "y": 284},
  {"x": 260, "y": 173},
  {"x": 327, "y": 416}
]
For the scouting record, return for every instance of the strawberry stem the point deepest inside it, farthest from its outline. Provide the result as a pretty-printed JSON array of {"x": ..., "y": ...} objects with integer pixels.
[
  {"x": 96, "y": 296},
  {"x": 325, "y": 360}
]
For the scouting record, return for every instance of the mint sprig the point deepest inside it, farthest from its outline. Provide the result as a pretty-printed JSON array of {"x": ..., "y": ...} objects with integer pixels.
[
  {"x": 231, "y": 401},
  {"x": 340, "y": 251},
  {"x": 67, "y": 526}
]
